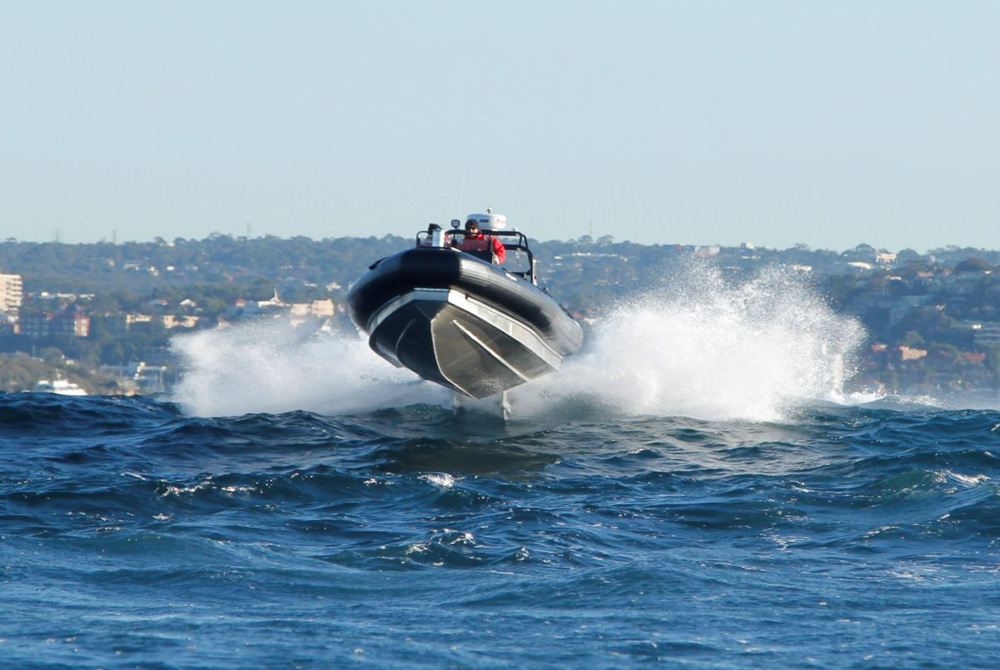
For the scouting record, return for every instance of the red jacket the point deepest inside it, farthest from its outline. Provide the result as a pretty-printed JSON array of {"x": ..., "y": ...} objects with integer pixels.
[{"x": 481, "y": 242}]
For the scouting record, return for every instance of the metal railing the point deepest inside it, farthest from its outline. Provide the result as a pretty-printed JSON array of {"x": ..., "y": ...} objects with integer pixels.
[{"x": 513, "y": 240}]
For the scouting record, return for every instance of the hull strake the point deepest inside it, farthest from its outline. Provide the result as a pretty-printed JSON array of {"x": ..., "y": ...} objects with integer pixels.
[{"x": 462, "y": 343}]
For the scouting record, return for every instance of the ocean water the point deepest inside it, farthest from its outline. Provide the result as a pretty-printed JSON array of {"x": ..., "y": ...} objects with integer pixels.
[{"x": 694, "y": 490}]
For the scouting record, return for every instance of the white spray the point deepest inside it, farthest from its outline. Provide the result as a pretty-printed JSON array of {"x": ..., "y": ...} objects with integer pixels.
[
  {"x": 694, "y": 347},
  {"x": 268, "y": 366},
  {"x": 699, "y": 348}
]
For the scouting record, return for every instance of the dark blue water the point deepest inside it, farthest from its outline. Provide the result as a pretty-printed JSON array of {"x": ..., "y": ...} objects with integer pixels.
[{"x": 855, "y": 537}]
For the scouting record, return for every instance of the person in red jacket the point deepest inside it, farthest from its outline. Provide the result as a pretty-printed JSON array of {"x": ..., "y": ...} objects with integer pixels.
[{"x": 480, "y": 244}]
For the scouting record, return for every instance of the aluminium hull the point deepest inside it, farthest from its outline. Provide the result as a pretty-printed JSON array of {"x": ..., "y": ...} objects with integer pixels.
[{"x": 459, "y": 342}]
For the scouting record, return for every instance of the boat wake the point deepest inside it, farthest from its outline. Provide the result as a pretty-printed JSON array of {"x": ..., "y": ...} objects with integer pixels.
[{"x": 694, "y": 346}]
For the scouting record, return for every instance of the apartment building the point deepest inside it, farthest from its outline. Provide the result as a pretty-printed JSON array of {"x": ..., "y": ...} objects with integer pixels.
[{"x": 11, "y": 294}]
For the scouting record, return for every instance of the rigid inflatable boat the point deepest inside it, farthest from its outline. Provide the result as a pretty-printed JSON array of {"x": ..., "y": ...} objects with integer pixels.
[{"x": 460, "y": 320}]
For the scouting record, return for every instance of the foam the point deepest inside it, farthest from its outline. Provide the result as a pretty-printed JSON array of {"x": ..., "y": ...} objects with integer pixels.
[
  {"x": 698, "y": 347},
  {"x": 695, "y": 346},
  {"x": 269, "y": 366}
]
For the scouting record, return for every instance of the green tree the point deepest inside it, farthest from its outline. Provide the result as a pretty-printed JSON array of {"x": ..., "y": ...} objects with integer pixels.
[{"x": 913, "y": 339}]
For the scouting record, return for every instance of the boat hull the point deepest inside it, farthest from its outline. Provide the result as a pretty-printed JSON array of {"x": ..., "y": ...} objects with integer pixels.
[{"x": 462, "y": 323}]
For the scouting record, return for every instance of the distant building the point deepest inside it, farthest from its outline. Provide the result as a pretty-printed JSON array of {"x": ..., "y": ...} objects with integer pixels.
[
  {"x": 120, "y": 324},
  {"x": 322, "y": 308},
  {"x": 885, "y": 258},
  {"x": 910, "y": 353},
  {"x": 11, "y": 294},
  {"x": 47, "y": 324},
  {"x": 171, "y": 321},
  {"x": 273, "y": 303}
]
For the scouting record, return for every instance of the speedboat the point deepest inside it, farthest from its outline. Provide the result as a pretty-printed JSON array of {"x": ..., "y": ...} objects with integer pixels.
[{"x": 458, "y": 319}]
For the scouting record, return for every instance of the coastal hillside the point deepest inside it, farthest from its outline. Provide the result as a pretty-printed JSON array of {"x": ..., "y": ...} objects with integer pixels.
[{"x": 107, "y": 312}]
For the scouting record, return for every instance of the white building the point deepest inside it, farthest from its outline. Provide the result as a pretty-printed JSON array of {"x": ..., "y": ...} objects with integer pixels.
[{"x": 11, "y": 294}]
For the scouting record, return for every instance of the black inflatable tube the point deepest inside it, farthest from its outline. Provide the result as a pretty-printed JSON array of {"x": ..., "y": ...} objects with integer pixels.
[{"x": 450, "y": 269}]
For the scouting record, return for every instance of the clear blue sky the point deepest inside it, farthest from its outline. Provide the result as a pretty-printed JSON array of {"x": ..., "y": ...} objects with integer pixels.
[{"x": 704, "y": 122}]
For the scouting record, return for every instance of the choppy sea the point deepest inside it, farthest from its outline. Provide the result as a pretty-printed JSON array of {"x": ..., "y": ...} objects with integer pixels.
[{"x": 695, "y": 490}]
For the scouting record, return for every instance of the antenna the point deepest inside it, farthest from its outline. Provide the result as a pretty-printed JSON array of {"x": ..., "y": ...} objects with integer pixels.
[{"x": 461, "y": 193}]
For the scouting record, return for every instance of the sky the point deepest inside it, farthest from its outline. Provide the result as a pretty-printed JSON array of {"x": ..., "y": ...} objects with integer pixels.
[{"x": 770, "y": 122}]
